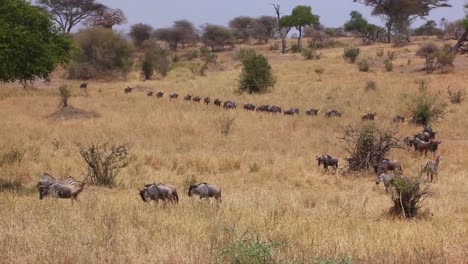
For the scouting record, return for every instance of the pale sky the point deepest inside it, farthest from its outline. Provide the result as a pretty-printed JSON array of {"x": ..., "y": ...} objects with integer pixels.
[{"x": 333, "y": 13}]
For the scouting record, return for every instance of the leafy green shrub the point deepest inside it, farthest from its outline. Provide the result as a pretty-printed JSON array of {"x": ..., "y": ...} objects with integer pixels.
[
  {"x": 191, "y": 55},
  {"x": 436, "y": 57},
  {"x": 295, "y": 48},
  {"x": 207, "y": 55},
  {"x": 243, "y": 54},
  {"x": 101, "y": 53},
  {"x": 155, "y": 59},
  {"x": 197, "y": 68},
  {"x": 351, "y": 54},
  {"x": 407, "y": 195},
  {"x": 64, "y": 95},
  {"x": 456, "y": 96},
  {"x": 388, "y": 65},
  {"x": 310, "y": 54},
  {"x": 426, "y": 106},
  {"x": 364, "y": 65},
  {"x": 248, "y": 248},
  {"x": 256, "y": 75}
]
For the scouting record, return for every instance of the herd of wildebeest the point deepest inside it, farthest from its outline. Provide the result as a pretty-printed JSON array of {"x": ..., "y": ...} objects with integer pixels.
[{"x": 423, "y": 142}]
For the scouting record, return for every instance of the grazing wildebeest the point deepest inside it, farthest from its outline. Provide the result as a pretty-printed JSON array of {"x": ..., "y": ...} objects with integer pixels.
[
  {"x": 149, "y": 93},
  {"x": 196, "y": 99},
  {"x": 249, "y": 107},
  {"x": 368, "y": 116},
  {"x": 432, "y": 168},
  {"x": 332, "y": 112},
  {"x": 430, "y": 131},
  {"x": 433, "y": 146},
  {"x": 398, "y": 119},
  {"x": 84, "y": 86},
  {"x": 416, "y": 121},
  {"x": 386, "y": 165},
  {"x": 128, "y": 90},
  {"x": 274, "y": 109},
  {"x": 291, "y": 111},
  {"x": 421, "y": 146},
  {"x": 262, "y": 108},
  {"x": 160, "y": 95},
  {"x": 327, "y": 160},
  {"x": 187, "y": 97},
  {"x": 409, "y": 141},
  {"x": 173, "y": 96},
  {"x": 424, "y": 136},
  {"x": 158, "y": 192},
  {"x": 69, "y": 188},
  {"x": 205, "y": 190},
  {"x": 312, "y": 112},
  {"x": 207, "y": 100},
  {"x": 217, "y": 102},
  {"x": 385, "y": 178},
  {"x": 229, "y": 105}
]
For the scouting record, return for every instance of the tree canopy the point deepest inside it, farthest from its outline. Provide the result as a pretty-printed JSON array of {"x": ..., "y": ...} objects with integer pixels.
[
  {"x": 300, "y": 17},
  {"x": 139, "y": 33},
  {"x": 182, "y": 32},
  {"x": 215, "y": 36},
  {"x": 30, "y": 44},
  {"x": 107, "y": 17},
  {"x": 359, "y": 24}
]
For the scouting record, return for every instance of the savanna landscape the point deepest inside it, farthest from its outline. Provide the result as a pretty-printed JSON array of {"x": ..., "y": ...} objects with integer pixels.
[{"x": 278, "y": 205}]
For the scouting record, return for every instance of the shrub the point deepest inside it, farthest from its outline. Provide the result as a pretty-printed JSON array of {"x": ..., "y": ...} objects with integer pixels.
[
  {"x": 225, "y": 124},
  {"x": 64, "y": 95},
  {"x": 155, "y": 59},
  {"x": 191, "y": 55},
  {"x": 351, "y": 54},
  {"x": 256, "y": 75},
  {"x": 207, "y": 55},
  {"x": 426, "y": 106},
  {"x": 104, "y": 162},
  {"x": 380, "y": 52},
  {"x": 391, "y": 55},
  {"x": 310, "y": 54},
  {"x": 368, "y": 145},
  {"x": 371, "y": 85},
  {"x": 456, "y": 96},
  {"x": 364, "y": 65},
  {"x": 388, "y": 65},
  {"x": 407, "y": 195},
  {"x": 243, "y": 54},
  {"x": 295, "y": 48},
  {"x": 101, "y": 53},
  {"x": 198, "y": 68},
  {"x": 248, "y": 248},
  {"x": 139, "y": 33},
  {"x": 435, "y": 56}
]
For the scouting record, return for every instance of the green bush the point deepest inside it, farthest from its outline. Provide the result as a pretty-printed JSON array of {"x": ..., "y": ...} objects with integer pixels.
[
  {"x": 436, "y": 57},
  {"x": 101, "y": 53},
  {"x": 64, "y": 95},
  {"x": 407, "y": 195},
  {"x": 256, "y": 75},
  {"x": 295, "y": 48},
  {"x": 388, "y": 65},
  {"x": 426, "y": 106},
  {"x": 364, "y": 65},
  {"x": 351, "y": 54},
  {"x": 207, "y": 55},
  {"x": 310, "y": 54},
  {"x": 155, "y": 60},
  {"x": 243, "y": 54}
]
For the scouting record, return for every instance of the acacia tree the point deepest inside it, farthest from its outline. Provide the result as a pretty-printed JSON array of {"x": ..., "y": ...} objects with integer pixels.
[
  {"x": 31, "y": 46},
  {"x": 139, "y": 33},
  {"x": 300, "y": 17},
  {"x": 242, "y": 27},
  {"x": 187, "y": 31},
  {"x": 182, "y": 32},
  {"x": 282, "y": 29},
  {"x": 359, "y": 24},
  {"x": 464, "y": 37},
  {"x": 398, "y": 14},
  {"x": 69, "y": 13},
  {"x": 107, "y": 17},
  {"x": 216, "y": 37},
  {"x": 264, "y": 28}
]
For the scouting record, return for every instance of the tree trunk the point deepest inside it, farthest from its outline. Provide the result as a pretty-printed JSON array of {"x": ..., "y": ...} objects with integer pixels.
[
  {"x": 299, "y": 44},
  {"x": 461, "y": 41},
  {"x": 389, "y": 31},
  {"x": 283, "y": 44}
]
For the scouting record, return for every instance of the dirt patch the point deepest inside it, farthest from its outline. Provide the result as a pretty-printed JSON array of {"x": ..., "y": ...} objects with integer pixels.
[{"x": 70, "y": 112}]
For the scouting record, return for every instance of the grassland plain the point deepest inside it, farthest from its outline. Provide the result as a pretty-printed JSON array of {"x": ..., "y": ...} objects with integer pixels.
[{"x": 266, "y": 168}]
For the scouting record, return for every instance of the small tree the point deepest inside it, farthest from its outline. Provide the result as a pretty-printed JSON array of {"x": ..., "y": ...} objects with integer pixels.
[
  {"x": 225, "y": 124},
  {"x": 104, "y": 162},
  {"x": 408, "y": 195},
  {"x": 256, "y": 75},
  {"x": 456, "y": 96},
  {"x": 300, "y": 17},
  {"x": 426, "y": 106},
  {"x": 64, "y": 95},
  {"x": 264, "y": 28},
  {"x": 364, "y": 65},
  {"x": 351, "y": 54},
  {"x": 242, "y": 27},
  {"x": 357, "y": 23},
  {"x": 139, "y": 33},
  {"x": 107, "y": 17},
  {"x": 281, "y": 28},
  {"x": 155, "y": 59},
  {"x": 182, "y": 32},
  {"x": 216, "y": 37},
  {"x": 368, "y": 145}
]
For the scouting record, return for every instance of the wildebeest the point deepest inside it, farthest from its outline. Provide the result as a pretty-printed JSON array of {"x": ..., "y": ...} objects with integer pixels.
[
  {"x": 332, "y": 112},
  {"x": 291, "y": 111},
  {"x": 421, "y": 146},
  {"x": 430, "y": 131},
  {"x": 386, "y": 165},
  {"x": 416, "y": 121},
  {"x": 128, "y": 90},
  {"x": 433, "y": 146},
  {"x": 150, "y": 93},
  {"x": 424, "y": 136},
  {"x": 207, "y": 100},
  {"x": 311, "y": 112},
  {"x": 217, "y": 102},
  {"x": 67, "y": 189},
  {"x": 432, "y": 168},
  {"x": 84, "y": 86},
  {"x": 229, "y": 105},
  {"x": 173, "y": 96},
  {"x": 249, "y": 107},
  {"x": 398, "y": 119},
  {"x": 409, "y": 141},
  {"x": 160, "y": 95},
  {"x": 187, "y": 97},
  {"x": 205, "y": 190},
  {"x": 196, "y": 99},
  {"x": 385, "y": 178},
  {"x": 274, "y": 109},
  {"x": 327, "y": 160},
  {"x": 158, "y": 192},
  {"x": 368, "y": 116},
  {"x": 262, "y": 108}
]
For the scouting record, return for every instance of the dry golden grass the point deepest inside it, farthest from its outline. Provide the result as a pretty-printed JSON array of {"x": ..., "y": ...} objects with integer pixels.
[{"x": 266, "y": 168}]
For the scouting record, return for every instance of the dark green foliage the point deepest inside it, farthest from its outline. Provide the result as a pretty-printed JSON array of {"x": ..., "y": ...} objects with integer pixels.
[
  {"x": 207, "y": 55},
  {"x": 295, "y": 48},
  {"x": 407, "y": 195},
  {"x": 216, "y": 37},
  {"x": 428, "y": 29},
  {"x": 155, "y": 59},
  {"x": 358, "y": 24},
  {"x": 351, "y": 54},
  {"x": 30, "y": 45},
  {"x": 364, "y": 65},
  {"x": 64, "y": 95},
  {"x": 256, "y": 75},
  {"x": 300, "y": 18},
  {"x": 436, "y": 57},
  {"x": 242, "y": 27},
  {"x": 244, "y": 53},
  {"x": 191, "y": 55},
  {"x": 139, "y": 33},
  {"x": 104, "y": 162},
  {"x": 102, "y": 53},
  {"x": 426, "y": 106}
]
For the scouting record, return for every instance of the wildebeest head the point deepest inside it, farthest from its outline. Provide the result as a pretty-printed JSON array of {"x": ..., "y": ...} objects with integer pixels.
[
  {"x": 319, "y": 159},
  {"x": 43, "y": 191},
  {"x": 191, "y": 190},
  {"x": 144, "y": 194}
]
